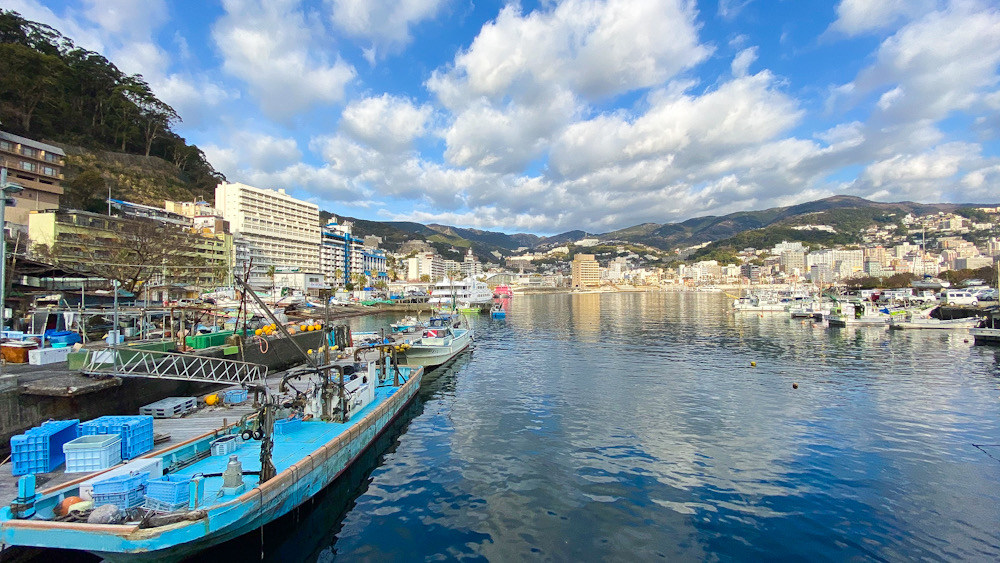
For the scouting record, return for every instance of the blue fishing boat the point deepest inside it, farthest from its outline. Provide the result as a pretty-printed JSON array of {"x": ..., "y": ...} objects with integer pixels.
[
  {"x": 498, "y": 312},
  {"x": 231, "y": 480}
]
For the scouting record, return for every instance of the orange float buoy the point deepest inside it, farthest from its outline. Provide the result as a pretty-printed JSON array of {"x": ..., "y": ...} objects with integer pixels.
[
  {"x": 211, "y": 399},
  {"x": 62, "y": 509}
]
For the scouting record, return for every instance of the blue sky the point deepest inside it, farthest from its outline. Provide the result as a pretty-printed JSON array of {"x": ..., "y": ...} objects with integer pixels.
[{"x": 583, "y": 114}]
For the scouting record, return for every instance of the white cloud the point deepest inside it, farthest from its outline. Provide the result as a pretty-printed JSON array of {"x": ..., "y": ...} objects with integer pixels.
[
  {"x": 935, "y": 65},
  {"x": 592, "y": 48},
  {"x": 928, "y": 176},
  {"x": 506, "y": 140},
  {"x": 127, "y": 18},
  {"x": 682, "y": 129},
  {"x": 743, "y": 60},
  {"x": 273, "y": 48},
  {"x": 386, "y": 23},
  {"x": 855, "y": 17},
  {"x": 388, "y": 123}
]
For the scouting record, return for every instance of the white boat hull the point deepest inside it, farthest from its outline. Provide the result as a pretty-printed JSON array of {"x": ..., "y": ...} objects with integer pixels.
[
  {"x": 432, "y": 355},
  {"x": 935, "y": 324}
]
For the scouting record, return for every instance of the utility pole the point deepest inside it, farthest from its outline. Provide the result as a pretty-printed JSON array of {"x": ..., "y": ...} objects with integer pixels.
[{"x": 5, "y": 188}]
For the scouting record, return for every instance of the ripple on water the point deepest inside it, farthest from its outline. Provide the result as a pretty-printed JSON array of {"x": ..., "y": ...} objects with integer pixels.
[{"x": 632, "y": 427}]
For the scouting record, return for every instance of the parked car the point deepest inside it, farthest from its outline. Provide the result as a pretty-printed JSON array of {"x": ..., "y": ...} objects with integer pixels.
[
  {"x": 958, "y": 297},
  {"x": 986, "y": 294}
]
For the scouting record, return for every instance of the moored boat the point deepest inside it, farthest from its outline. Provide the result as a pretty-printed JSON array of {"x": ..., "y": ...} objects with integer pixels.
[
  {"x": 294, "y": 447},
  {"x": 441, "y": 340},
  {"x": 860, "y": 313},
  {"x": 917, "y": 320}
]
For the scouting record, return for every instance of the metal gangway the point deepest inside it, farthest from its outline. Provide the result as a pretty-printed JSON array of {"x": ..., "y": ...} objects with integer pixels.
[{"x": 131, "y": 362}]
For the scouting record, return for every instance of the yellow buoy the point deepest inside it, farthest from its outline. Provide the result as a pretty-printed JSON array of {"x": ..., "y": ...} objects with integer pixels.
[
  {"x": 753, "y": 364},
  {"x": 302, "y": 327},
  {"x": 309, "y": 351},
  {"x": 257, "y": 332},
  {"x": 211, "y": 399}
]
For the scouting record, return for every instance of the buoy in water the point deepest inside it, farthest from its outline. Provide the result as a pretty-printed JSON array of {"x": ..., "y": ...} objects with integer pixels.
[
  {"x": 795, "y": 385},
  {"x": 753, "y": 364}
]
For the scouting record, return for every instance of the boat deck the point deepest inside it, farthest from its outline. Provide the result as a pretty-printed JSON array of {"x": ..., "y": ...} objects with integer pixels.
[
  {"x": 178, "y": 430},
  {"x": 288, "y": 450}
]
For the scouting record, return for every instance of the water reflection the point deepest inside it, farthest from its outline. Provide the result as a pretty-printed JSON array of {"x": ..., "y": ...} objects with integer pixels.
[{"x": 633, "y": 426}]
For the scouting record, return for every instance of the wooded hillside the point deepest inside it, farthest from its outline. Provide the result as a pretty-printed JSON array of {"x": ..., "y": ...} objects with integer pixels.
[{"x": 54, "y": 91}]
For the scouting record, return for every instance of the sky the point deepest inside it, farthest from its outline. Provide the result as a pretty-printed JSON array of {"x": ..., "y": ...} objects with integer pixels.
[{"x": 544, "y": 117}]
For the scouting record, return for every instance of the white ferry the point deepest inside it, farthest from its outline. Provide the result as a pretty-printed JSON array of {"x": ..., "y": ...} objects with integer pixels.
[{"x": 468, "y": 294}]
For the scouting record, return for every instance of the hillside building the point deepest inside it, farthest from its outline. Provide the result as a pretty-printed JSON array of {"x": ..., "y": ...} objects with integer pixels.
[
  {"x": 80, "y": 239},
  {"x": 37, "y": 167},
  {"x": 278, "y": 230}
]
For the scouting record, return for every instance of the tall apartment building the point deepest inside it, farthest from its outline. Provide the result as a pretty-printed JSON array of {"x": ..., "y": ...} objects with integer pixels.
[
  {"x": 471, "y": 267},
  {"x": 585, "y": 271},
  {"x": 277, "y": 229},
  {"x": 341, "y": 253},
  {"x": 38, "y": 168},
  {"x": 429, "y": 264},
  {"x": 792, "y": 260}
]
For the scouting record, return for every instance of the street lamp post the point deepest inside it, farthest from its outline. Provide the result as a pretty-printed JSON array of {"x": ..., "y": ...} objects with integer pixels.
[{"x": 5, "y": 189}]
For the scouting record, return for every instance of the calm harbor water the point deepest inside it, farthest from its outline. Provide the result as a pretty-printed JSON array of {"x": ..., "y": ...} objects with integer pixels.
[{"x": 633, "y": 427}]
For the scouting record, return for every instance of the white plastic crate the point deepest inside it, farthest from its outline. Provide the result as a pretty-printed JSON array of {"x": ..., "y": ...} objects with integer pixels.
[
  {"x": 92, "y": 453},
  {"x": 226, "y": 445}
]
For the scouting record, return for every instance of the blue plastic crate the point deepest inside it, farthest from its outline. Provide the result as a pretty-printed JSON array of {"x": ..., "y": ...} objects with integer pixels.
[
  {"x": 170, "y": 489},
  {"x": 121, "y": 483},
  {"x": 40, "y": 449},
  {"x": 235, "y": 396},
  {"x": 124, "y": 500},
  {"x": 160, "y": 506},
  {"x": 136, "y": 432},
  {"x": 287, "y": 426}
]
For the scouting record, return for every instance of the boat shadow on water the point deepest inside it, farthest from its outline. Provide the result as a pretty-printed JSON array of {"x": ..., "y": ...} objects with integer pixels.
[{"x": 310, "y": 532}]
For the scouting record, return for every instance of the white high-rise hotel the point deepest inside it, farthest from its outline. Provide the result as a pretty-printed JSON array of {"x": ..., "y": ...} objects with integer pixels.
[{"x": 275, "y": 228}]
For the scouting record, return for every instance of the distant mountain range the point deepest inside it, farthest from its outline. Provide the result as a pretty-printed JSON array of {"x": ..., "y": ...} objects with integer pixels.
[{"x": 848, "y": 216}]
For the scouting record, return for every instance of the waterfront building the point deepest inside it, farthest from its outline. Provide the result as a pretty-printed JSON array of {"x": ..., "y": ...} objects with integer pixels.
[
  {"x": 305, "y": 282},
  {"x": 374, "y": 263},
  {"x": 37, "y": 167},
  {"x": 429, "y": 264},
  {"x": 341, "y": 253},
  {"x": 751, "y": 272},
  {"x": 79, "y": 240},
  {"x": 280, "y": 231},
  {"x": 585, "y": 271}
]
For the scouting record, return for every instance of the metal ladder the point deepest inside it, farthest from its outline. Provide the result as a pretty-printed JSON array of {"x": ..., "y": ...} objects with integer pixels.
[{"x": 130, "y": 362}]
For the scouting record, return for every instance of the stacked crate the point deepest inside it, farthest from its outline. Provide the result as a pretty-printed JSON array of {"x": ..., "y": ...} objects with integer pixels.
[
  {"x": 123, "y": 491},
  {"x": 40, "y": 450},
  {"x": 136, "y": 432}
]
